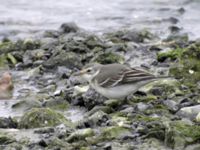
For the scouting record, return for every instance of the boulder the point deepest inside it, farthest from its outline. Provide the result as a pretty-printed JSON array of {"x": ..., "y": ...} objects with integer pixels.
[{"x": 42, "y": 117}]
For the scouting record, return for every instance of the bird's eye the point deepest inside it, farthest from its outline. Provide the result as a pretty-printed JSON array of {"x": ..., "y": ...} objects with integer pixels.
[{"x": 89, "y": 70}]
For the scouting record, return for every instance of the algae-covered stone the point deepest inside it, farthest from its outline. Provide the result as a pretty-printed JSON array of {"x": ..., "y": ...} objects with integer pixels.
[
  {"x": 20, "y": 45},
  {"x": 113, "y": 103},
  {"x": 42, "y": 117},
  {"x": 179, "y": 134},
  {"x": 188, "y": 66},
  {"x": 81, "y": 134},
  {"x": 163, "y": 88},
  {"x": 99, "y": 118},
  {"x": 6, "y": 139},
  {"x": 69, "y": 27},
  {"x": 109, "y": 58},
  {"x": 68, "y": 59},
  {"x": 59, "y": 104},
  {"x": 25, "y": 105},
  {"x": 114, "y": 132},
  {"x": 172, "y": 55},
  {"x": 137, "y": 99},
  {"x": 11, "y": 58},
  {"x": 3, "y": 61},
  {"x": 7, "y": 123},
  {"x": 137, "y": 36}
]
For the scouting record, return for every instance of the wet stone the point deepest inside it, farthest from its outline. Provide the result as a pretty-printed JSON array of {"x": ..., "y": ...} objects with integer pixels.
[
  {"x": 99, "y": 118},
  {"x": 8, "y": 123},
  {"x": 91, "y": 98},
  {"x": 42, "y": 117},
  {"x": 171, "y": 105},
  {"x": 142, "y": 106},
  {"x": 189, "y": 112},
  {"x": 69, "y": 27}
]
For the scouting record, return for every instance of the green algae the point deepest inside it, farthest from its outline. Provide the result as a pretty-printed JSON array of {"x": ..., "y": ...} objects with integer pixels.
[
  {"x": 42, "y": 117},
  {"x": 180, "y": 134},
  {"x": 109, "y": 58}
]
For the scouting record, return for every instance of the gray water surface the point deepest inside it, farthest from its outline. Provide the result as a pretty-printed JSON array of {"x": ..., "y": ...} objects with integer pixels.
[{"x": 22, "y": 18}]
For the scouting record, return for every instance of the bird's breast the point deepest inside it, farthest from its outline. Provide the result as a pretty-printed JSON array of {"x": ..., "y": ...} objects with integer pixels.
[{"x": 119, "y": 91}]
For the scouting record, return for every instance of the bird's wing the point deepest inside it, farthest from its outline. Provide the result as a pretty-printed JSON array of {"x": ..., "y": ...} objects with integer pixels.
[{"x": 125, "y": 77}]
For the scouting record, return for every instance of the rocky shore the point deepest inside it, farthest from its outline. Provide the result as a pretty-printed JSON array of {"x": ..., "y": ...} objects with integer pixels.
[{"x": 59, "y": 113}]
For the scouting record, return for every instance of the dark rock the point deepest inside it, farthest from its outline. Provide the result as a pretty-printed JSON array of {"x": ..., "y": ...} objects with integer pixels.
[
  {"x": 99, "y": 118},
  {"x": 43, "y": 143},
  {"x": 68, "y": 59},
  {"x": 173, "y": 20},
  {"x": 181, "y": 10},
  {"x": 114, "y": 103},
  {"x": 91, "y": 98},
  {"x": 44, "y": 130},
  {"x": 174, "y": 29},
  {"x": 109, "y": 58},
  {"x": 158, "y": 91},
  {"x": 51, "y": 33},
  {"x": 64, "y": 72},
  {"x": 7, "y": 123},
  {"x": 76, "y": 46},
  {"x": 137, "y": 36},
  {"x": 155, "y": 48},
  {"x": 69, "y": 27}
]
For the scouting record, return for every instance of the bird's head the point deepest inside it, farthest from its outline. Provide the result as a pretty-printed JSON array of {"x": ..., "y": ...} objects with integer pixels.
[{"x": 89, "y": 71}]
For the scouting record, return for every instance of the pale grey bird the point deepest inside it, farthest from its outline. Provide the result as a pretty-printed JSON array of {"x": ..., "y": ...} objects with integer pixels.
[{"x": 115, "y": 81}]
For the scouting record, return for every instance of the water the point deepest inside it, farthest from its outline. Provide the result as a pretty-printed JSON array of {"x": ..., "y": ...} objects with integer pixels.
[
  {"x": 24, "y": 18},
  {"x": 21, "y": 87}
]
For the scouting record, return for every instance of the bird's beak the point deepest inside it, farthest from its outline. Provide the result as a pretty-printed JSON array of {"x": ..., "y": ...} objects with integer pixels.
[{"x": 79, "y": 73}]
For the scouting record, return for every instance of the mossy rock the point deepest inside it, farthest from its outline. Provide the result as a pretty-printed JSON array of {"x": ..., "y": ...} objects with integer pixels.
[
  {"x": 3, "y": 61},
  {"x": 20, "y": 45},
  {"x": 120, "y": 120},
  {"x": 42, "y": 117},
  {"x": 114, "y": 132},
  {"x": 137, "y": 36},
  {"x": 55, "y": 142},
  {"x": 94, "y": 42},
  {"x": 163, "y": 88},
  {"x": 96, "y": 119},
  {"x": 58, "y": 104},
  {"x": 80, "y": 134},
  {"x": 6, "y": 139},
  {"x": 145, "y": 99},
  {"x": 180, "y": 134},
  {"x": 68, "y": 59},
  {"x": 171, "y": 54},
  {"x": 188, "y": 66},
  {"x": 145, "y": 118},
  {"x": 109, "y": 58},
  {"x": 113, "y": 103},
  {"x": 25, "y": 105}
]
